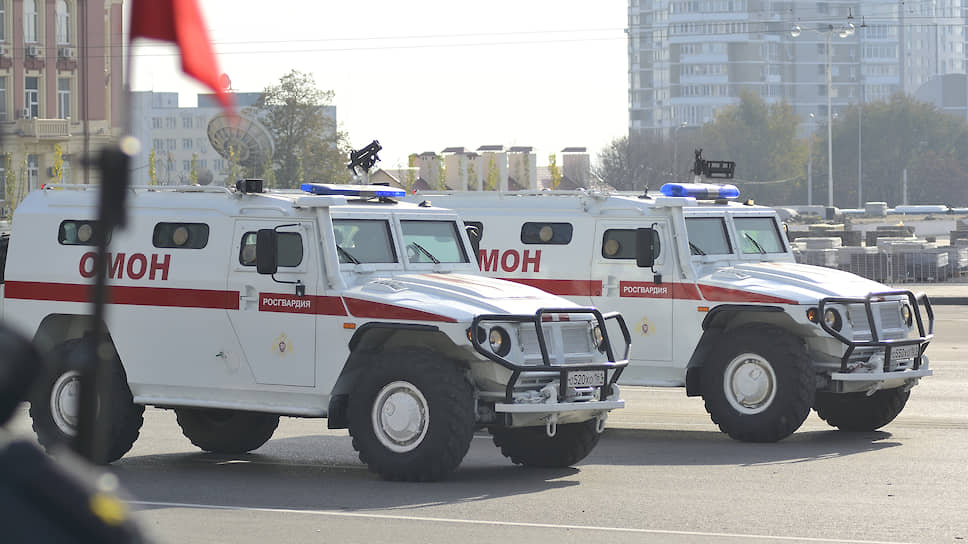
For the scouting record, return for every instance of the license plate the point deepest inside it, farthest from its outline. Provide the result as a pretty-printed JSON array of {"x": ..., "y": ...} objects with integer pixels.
[
  {"x": 904, "y": 352},
  {"x": 586, "y": 378}
]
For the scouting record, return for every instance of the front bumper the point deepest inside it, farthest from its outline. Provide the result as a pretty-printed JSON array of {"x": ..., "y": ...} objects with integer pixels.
[
  {"x": 918, "y": 369},
  {"x": 612, "y": 367}
]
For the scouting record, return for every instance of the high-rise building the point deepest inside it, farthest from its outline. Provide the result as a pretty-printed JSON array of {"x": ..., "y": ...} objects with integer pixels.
[
  {"x": 688, "y": 58},
  {"x": 60, "y": 88}
]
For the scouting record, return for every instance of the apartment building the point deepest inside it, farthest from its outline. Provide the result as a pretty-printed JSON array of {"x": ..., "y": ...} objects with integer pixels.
[
  {"x": 688, "y": 58},
  {"x": 60, "y": 88}
]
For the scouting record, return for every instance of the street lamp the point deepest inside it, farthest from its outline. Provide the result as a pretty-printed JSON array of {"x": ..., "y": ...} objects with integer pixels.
[
  {"x": 675, "y": 150},
  {"x": 843, "y": 32},
  {"x": 813, "y": 128}
]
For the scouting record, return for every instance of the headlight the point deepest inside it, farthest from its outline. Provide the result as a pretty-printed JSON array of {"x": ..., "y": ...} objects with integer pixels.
[
  {"x": 906, "y": 314},
  {"x": 500, "y": 341},
  {"x": 598, "y": 339},
  {"x": 832, "y": 318}
]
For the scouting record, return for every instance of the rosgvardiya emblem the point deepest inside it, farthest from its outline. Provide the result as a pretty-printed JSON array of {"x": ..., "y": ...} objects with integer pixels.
[
  {"x": 281, "y": 345},
  {"x": 645, "y": 327}
]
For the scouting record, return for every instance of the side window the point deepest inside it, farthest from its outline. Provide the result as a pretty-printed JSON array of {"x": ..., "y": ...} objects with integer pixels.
[
  {"x": 546, "y": 233},
  {"x": 620, "y": 244},
  {"x": 289, "y": 251},
  {"x": 180, "y": 235},
  {"x": 78, "y": 233}
]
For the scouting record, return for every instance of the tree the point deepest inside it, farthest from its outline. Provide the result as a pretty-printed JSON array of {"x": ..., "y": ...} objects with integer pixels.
[
  {"x": 642, "y": 162},
  {"x": 493, "y": 175},
  {"x": 236, "y": 172},
  {"x": 762, "y": 139},
  {"x": 553, "y": 170},
  {"x": 193, "y": 172},
  {"x": 152, "y": 170},
  {"x": 899, "y": 133},
  {"x": 293, "y": 111},
  {"x": 58, "y": 168},
  {"x": 9, "y": 182}
]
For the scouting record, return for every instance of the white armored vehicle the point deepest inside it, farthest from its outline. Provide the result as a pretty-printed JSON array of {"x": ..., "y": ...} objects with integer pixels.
[
  {"x": 234, "y": 307},
  {"x": 715, "y": 301}
]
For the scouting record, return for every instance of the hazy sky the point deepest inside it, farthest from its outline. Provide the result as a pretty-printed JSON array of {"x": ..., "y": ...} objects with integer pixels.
[{"x": 422, "y": 75}]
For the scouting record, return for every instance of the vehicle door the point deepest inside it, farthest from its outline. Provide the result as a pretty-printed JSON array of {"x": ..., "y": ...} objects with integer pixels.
[
  {"x": 276, "y": 318},
  {"x": 644, "y": 296}
]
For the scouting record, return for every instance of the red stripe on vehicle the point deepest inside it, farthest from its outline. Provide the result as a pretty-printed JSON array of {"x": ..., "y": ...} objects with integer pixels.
[
  {"x": 574, "y": 288},
  {"x": 378, "y": 310},
  {"x": 724, "y": 294},
  {"x": 124, "y": 294}
]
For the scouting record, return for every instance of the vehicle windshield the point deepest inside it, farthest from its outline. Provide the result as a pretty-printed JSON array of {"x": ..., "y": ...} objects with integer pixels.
[
  {"x": 433, "y": 242},
  {"x": 758, "y": 235},
  {"x": 707, "y": 236},
  {"x": 364, "y": 241}
]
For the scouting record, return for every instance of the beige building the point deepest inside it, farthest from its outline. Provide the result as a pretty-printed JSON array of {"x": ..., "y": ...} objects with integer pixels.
[{"x": 52, "y": 94}]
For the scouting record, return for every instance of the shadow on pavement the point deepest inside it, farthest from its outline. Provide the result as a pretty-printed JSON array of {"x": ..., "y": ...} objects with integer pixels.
[
  {"x": 690, "y": 448},
  {"x": 281, "y": 479}
]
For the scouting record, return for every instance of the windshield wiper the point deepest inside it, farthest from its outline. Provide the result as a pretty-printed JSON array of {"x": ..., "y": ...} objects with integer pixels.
[
  {"x": 755, "y": 243},
  {"x": 425, "y": 252},
  {"x": 349, "y": 256},
  {"x": 695, "y": 249}
]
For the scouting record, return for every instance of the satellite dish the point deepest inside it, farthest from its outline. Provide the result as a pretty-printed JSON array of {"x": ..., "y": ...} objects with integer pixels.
[
  {"x": 205, "y": 177},
  {"x": 248, "y": 140}
]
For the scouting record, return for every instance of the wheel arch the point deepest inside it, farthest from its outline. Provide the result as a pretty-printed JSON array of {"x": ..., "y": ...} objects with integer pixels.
[
  {"x": 372, "y": 339},
  {"x": 56, "y": 329},
  {"x": 727, "y": 317}
]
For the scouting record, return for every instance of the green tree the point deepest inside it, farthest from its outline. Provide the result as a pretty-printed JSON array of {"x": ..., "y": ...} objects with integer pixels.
[
  {"x": 554, "y": 171},
  {"x": 236, "y": 171},
  {"x": 293, "y": 110},
  {"x": 493, "y": 175},
  {"x": 441, "y": 173},
  {"x": 193, "y": 170},
  {"x": 411, "y": 174},
  {"x": 898, "y": 133},
  {"x": 152, "y": 169},
  {"x": 762, "y": 139},
  {"x": 9, "y": 182},
  {"x": 58, "y": 168}
]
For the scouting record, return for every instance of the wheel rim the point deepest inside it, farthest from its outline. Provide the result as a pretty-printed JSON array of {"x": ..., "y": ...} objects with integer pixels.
[
  {"x": 749, "y": 383},
  {"x": 400, "y": 416},
  {"x": 65, "y": 397}
]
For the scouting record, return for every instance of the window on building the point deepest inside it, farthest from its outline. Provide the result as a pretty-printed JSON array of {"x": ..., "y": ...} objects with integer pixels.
[
  {"x": 186, "y": 143},
  {"x": 186, "y": 122},
  {"x": 169, "y": 122},
  {"x": 218, "y": 164},
  {"x": 186, "y": 165},
  {"x": 3, "y": 98},
  {"x": 30, "y": 21},
  {"x": 3, "y": 21},
  {"x": 171, "y": 144},
  {"x": 33, "y": 172},
  {"x": 156, "y": 122},
  {"x": 32, "y": 96},
  {"x": 63, "y": 13},
  {"x": 63, "y": 97}
]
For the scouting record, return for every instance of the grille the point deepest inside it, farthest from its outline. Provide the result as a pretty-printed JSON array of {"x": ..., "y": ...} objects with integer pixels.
[
  {"x": 567, "y": 342},
  {"x": 886, "y": 315}
]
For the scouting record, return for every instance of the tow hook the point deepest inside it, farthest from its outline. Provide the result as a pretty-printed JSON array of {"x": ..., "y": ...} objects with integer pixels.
[
  {"x": 551, "y": 427},
  {"x": 600, "y": 424}
]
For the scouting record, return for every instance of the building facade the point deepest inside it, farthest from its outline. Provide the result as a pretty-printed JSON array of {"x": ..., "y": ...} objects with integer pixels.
[
  {"x": 688, "y": 58},
  {"x": 60, "y": 89}
]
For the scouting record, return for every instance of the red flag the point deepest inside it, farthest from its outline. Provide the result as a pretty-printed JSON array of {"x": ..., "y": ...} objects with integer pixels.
[{"x": 180, "y": 22}]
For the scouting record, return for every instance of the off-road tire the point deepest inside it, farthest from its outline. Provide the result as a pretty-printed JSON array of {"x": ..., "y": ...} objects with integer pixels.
[
  {"x": 226, "y": 431},
  {"x": 440, "y": 425},
  {"x": 532, "y": 447},
  {"x": 766, "y": 355},
  {"x": 123, "y": 419},
  {"x": 859, "y": 413}
]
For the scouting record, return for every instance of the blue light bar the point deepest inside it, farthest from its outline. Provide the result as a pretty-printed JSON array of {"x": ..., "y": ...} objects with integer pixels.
[
  {"x": 701, "y": 191},
  {"x": 362, "y": 191}
]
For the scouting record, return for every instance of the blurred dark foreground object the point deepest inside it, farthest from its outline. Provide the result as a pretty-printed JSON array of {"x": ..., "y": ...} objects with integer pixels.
[{"x": 50, "y": 499}]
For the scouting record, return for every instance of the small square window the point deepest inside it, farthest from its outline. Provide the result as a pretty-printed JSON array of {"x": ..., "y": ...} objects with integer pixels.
[
  {"x": 180, "y": 235},
  {"x": 546, "y": 233}
]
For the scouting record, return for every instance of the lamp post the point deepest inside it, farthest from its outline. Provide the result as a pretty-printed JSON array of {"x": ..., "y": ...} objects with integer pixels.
[
  {"x": 813, "y": 129},
  {"x": 843, "y": 32},
  {"x": 675, "y": 151}
]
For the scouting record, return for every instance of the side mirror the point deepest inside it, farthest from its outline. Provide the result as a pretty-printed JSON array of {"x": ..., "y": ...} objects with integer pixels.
[
  {"x": 645, "y": 245},
  {"x": 266, "y": 251}
]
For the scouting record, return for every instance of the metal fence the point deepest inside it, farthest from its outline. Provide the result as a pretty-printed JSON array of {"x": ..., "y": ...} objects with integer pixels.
[{"x": 891, "y": 260}]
